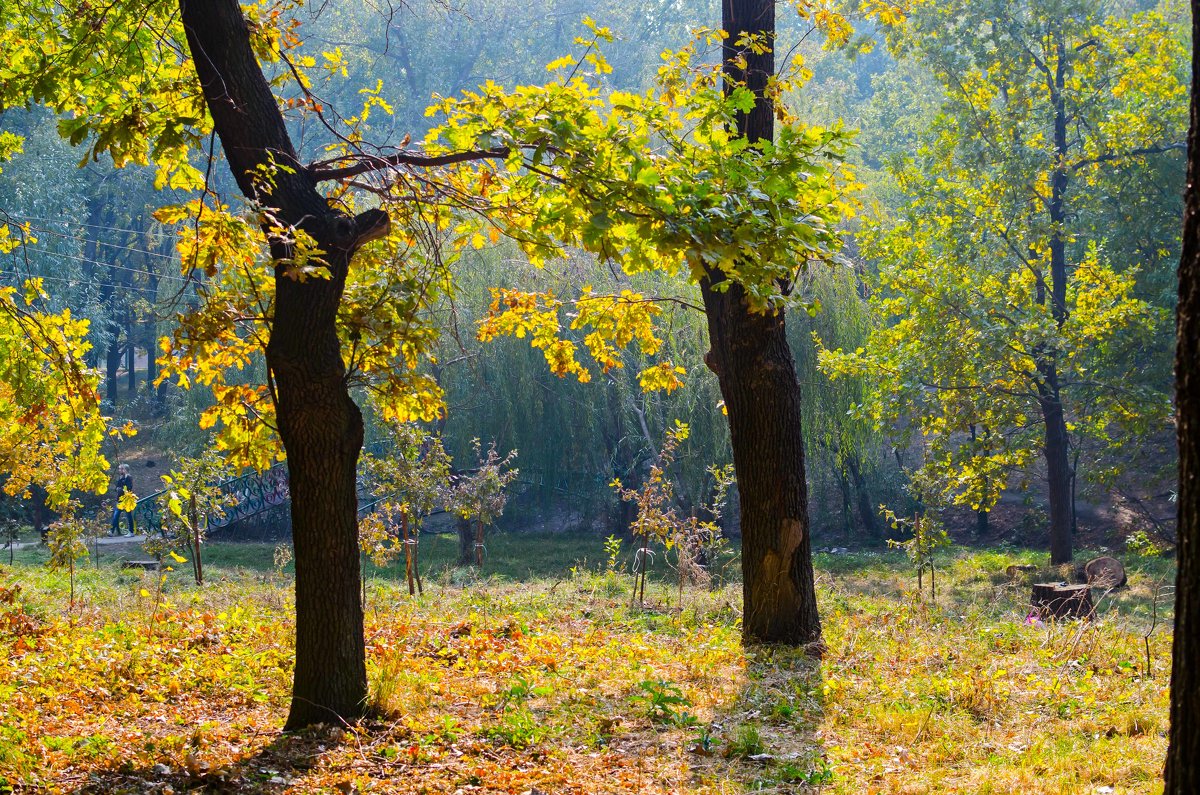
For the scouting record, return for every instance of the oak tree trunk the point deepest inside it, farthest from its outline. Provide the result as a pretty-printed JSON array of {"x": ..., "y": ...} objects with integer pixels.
[
  {"x": 750, "y": 355},
  {"x": 319, "y": 424},
  {"x": 1183, "y": 751}
]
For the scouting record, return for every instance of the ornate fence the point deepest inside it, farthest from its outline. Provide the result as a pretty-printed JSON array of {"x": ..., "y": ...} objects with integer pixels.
[
  {"x": 260, "y": 491},
  {"x": 252, "y": 494}
]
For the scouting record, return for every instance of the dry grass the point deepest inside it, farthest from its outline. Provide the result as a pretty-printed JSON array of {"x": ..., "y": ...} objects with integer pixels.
[{"x": 556, "y": 686}]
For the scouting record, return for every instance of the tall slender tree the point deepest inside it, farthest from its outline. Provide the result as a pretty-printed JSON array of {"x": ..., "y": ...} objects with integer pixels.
[{"x": 1000, "y": 297}]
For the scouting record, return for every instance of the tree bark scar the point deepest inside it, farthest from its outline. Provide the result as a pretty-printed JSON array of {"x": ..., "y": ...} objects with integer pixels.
[{"x": 777, "y": 564}]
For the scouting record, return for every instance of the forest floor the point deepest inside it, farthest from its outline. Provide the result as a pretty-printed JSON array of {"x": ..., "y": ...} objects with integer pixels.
[{"x": 540, "y": 677}]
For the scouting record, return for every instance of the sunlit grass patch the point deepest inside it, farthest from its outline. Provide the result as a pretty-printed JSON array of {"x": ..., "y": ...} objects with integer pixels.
[{"x": 555, "y": 683}]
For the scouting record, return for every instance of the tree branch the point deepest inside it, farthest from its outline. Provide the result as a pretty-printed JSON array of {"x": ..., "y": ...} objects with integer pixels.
[
  {"x": 1145, "y": 150},
  {"x": 403, "y": 158}
]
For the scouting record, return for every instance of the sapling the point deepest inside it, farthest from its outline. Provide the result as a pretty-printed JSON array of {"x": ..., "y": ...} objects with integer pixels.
[
  {"x": 480, "y": 496},
  {"x": 928, "y": 536},
  {"x": 657, "y": 519},
  {"x": 12, "y": 532},
  {"x": 410, "y": 483},
  {"x": 67, "y": 544},
  {"x": 194, "y": 496}
]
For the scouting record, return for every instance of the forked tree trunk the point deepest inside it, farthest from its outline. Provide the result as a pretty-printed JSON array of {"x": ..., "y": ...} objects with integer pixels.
[
  {"x": 749, "y": 353},
  {"x": 321, "y": 427},
  {"x": 1183, "y": 752}
]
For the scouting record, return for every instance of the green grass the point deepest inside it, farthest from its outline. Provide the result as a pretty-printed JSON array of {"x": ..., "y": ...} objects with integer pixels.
[{"x": 542, "y": 676}]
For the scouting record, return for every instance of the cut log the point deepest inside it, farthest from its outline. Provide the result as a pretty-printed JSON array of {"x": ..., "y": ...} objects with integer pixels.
[
  {"x": 148, "y": 565},
  {"x": 1017, "y": 569},
  {"x": 1059, "y": 600},
  {"x": 1104, "y": 572}
]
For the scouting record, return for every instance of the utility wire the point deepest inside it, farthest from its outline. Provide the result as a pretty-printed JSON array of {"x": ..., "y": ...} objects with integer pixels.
[
  {"x": 100, "y": 242},
  {"x": 62, "y": 254},
  {"x": 43, "y": 218},
  {"x": 74, "y": 282}
]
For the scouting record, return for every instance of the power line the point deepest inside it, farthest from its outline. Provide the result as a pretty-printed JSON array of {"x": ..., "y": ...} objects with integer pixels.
[
  {"x": 110, "y": 266},
  {"x": 82, "y": 223},
  {"x": 74, "y": 282},
  {"x": 101, "y": 243}
]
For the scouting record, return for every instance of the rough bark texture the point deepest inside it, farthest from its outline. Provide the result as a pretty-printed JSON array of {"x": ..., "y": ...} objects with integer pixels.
[
  {"x": 319, "y": 424},
  {"x": 1058, "y": 472},
  {"x": 754, "y": 365},
  {"x": 1183, "y": 752}
]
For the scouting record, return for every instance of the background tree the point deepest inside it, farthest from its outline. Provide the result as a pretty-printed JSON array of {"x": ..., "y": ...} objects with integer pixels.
[{"x": 999, "y": 298}]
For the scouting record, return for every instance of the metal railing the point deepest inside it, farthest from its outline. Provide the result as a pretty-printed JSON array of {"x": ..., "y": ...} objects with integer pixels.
[{"x": 256, "y": 492}]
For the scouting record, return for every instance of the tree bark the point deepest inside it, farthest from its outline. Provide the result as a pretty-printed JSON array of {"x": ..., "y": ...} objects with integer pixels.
[
  {"x": 750, "y": 355},
  {"x": 130, "y": 355},
  {"x": 1183, "y": 752},
  {"x": 150, "y": 331},
  {"x": 112, "y": 363},
  {"x": 466, "y": 542},
  {"x": 1058, "y": 471},
  {"x": 319, "y": 424},
  {"x": 868, "y": 513}
]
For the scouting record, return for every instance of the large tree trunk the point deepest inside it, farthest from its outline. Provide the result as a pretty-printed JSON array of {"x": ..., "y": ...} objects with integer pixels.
[
  {"x": 754, "y": 365},
  {"x": 319, "y": 424},
  {"x": 1183, "y": 752}
]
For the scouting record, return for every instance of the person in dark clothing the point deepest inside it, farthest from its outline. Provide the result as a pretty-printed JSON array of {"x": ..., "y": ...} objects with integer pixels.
[{"x": 124, "y": 483}]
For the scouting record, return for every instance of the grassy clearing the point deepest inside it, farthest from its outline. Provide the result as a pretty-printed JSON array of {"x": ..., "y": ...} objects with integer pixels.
[{"x": 540, "y": 678}]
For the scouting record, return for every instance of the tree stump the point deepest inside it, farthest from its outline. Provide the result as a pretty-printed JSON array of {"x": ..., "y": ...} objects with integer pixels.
[
  {"x": 1059, "y": 600},
  {"x": 1104, "y": 572}
]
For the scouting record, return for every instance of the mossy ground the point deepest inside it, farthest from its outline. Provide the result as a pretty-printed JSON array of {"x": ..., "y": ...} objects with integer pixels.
[{"x": 540, "y": 677}]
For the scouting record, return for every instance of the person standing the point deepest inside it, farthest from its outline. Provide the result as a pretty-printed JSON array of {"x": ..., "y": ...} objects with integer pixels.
[{"x": 124, "y": 483}]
